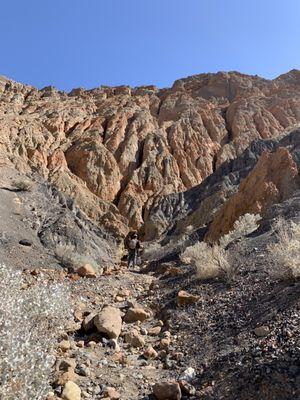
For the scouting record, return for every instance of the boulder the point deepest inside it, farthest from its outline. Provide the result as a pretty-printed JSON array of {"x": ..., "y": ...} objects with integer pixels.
[
  {"x": 136, "y": 314},
  {"x": 167, "y": 391},
  {"x": 109, "y": 321}
]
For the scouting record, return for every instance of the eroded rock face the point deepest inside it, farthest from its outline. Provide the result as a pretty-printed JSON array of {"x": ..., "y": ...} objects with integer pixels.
[
  {"x": 115, "y": 150},
  {"x": 273, "y": 180},
  {"x": 264, "y": 175}
]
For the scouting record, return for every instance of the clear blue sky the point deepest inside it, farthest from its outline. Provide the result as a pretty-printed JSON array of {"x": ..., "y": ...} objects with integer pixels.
[{"x": 73, "y": 43}]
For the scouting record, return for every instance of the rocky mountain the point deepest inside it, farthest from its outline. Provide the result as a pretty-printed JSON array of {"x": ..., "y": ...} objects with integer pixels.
[
  {"x": 78, "y": 170},
  {"x": 117, "y": 151}
]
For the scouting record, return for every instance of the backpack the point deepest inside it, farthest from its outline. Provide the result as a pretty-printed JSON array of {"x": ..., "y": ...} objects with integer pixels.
[{"x": 132, "y": 244}]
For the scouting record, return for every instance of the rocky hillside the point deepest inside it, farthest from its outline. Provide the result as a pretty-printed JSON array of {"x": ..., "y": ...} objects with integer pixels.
[
  {"x": 182, "y": 165},
  {"x": 266, "y": 173},
  {"x": 116, "y": 150}
]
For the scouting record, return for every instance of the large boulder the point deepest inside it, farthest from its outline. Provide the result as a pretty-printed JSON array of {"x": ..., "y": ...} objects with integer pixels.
[{"x": 109, "y": 321}]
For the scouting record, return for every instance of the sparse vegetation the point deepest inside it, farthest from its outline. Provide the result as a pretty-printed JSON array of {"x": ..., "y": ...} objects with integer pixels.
[
  {"x": 212, "y": 261},
  {"x": 31, "y": 318},
  {"x": 284, "y": 254},
  {"x": 243, "y": 226},
  {"x": 209, "y": 261},
  {"x": 23, "y": 185}
]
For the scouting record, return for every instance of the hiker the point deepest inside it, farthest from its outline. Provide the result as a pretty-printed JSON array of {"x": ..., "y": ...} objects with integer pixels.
[{"x": 133, "y": 246}]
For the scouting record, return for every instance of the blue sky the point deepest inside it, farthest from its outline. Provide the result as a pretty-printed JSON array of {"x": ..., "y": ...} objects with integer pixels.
[{"x": 86, "y": 43}]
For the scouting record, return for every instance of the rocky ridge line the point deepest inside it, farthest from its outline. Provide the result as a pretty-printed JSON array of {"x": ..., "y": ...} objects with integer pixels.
[{"x": 116, "y": 150}]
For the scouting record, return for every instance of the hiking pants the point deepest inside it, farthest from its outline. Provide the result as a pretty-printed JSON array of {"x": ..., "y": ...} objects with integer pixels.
[{"x": 132, "y": 256}]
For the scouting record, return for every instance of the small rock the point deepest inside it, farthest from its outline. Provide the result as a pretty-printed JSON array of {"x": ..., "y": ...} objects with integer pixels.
[
  {"x": 124, "y": 293},
  {"x": 134, "y": 339},
  {"x": 184, "y": 298},
  {"x": 188, "y": 375},
  {"x": 114, "y": 344},
  {"x": 150, "y": 353},
  {"x": 111, "y": 393},
  {"x": 80, "y": 343},
  {"x": 144, "y": 331},
  {"x": 71, "y": 391},
  {"x": 66, "y": 365},
  {"x": 187, "y": 388},
  {"x": 262, "y": 331},
  {"x": 64, "y": 345},
  {"x": 88, "y": 322},
  {"x": 167, "y": 391},
  {"x": 86, "y": 271},
  {"x": 83, "y": 370},
  {"x": 178, "y": 356},
  {"x": 165, "y": 343},
  {"x": 67, "y": 376},
  {"x": 25, "y": 242},
  {"x": 91, "y": 343},
  {"x": 154, "y": 331},
  {"x": 136, "y": 314}
]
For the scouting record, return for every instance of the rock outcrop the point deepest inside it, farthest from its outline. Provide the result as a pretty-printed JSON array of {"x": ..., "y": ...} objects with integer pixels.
[
  {"x": 116, "y": 150},
  {"x": 273, "y": 179},
  {"x": 260, "y": 180}
]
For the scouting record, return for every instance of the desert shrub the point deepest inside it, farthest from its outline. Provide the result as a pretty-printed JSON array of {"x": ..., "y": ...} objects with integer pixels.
[
  {"x": 212, "y": 261},
  {"x": 243, "y": 226},
  {"x": 284, "y": 255},
  {"x": 31, "y": 318},
  {"x": 23, "y": 185},
  {"x": 69, "y": 258},
  {"x": 209, "y": 261}
]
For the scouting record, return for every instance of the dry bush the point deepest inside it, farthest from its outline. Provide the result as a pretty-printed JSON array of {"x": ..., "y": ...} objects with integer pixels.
[
  {"x": 31, "y": 319},
  {"x": 23, "y": 185},
  {"x": 209, "y": 261},
  {"x": 243, "y": 226},
  {"x": 212, "y": 261},
  {"x": 284, "y": 255},
  {"x": 69, "y": 258}
]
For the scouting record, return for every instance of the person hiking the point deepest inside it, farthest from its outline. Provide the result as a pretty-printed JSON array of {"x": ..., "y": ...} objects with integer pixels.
[{"x": 133, "y": 246}]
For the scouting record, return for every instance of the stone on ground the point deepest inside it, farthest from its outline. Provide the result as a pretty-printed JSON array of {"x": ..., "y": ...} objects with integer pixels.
[
  {"x": 109, "y": 321},
  {"x": 167, "y": 391},
  {"x": 86, "y": 271},
  {"x": 184, "y": 298},
  {"x": 88, "y": 322},
  {"x": 71, "y": 391},
  {"x": 136, "y": 314},
  {"x": 262, "y": 331},
  {"x": 134, "y": 339},
  {"x": 111, "y": 393}
]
